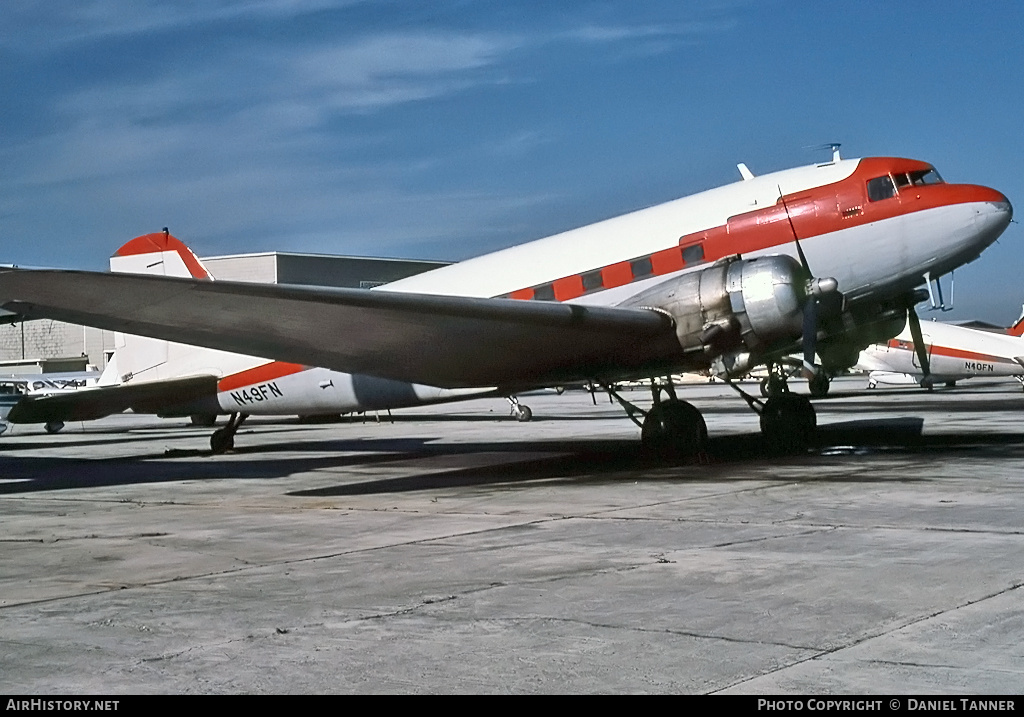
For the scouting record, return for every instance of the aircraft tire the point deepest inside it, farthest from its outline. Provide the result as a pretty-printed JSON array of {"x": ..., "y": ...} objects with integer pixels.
[
  {"x": 818, "y": 385},
  {"x": 524, "y": 414},
  {"x": 788, "y": 423},
  {"x": 672, "y": 430},
  {"x": 204, "y": 419},
  {"x": 54, "y": 426},
  {"x": 221, "y": 441}
]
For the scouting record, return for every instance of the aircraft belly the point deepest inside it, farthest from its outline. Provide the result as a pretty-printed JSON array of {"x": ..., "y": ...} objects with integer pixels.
[{"x": 319, "y": 390}]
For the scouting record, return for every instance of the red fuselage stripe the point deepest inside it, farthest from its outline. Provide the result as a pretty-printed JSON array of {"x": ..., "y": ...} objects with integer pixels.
[
  {"x": 936, "y": 350},
  {"x": 259, "y": 374}
]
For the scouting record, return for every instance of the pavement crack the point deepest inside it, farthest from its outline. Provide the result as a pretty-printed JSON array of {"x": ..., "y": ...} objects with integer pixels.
[{"x": 868, "y": 638}]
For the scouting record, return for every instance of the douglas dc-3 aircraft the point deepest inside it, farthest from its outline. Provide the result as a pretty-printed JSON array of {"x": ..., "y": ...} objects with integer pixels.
[
  {"x": 172, "y": 379},
  {"x": 954, "y": 353},
  {"x": 823, "y": 259}
]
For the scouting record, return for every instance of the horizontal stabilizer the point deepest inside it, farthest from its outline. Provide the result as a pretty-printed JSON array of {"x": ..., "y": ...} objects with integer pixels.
[{"x": 91, "y": 403}]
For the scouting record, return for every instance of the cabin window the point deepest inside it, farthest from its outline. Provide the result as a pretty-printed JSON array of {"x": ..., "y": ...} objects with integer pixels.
[
  {"x": 592, "y": 280},
  {"x": 642, "y": 267},
  {"x": 902, "y": 180},
  {"x": 544, "y": 293},
  {"x": 881, "y": 188},
  {"x": 693, "y": 253}
]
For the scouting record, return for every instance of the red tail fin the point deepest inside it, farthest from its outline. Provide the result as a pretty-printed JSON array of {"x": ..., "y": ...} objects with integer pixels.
[{"x": 126, "y": 258}]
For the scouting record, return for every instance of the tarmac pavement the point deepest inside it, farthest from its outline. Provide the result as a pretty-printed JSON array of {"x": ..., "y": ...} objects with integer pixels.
[{"x": 455, "y": 550}]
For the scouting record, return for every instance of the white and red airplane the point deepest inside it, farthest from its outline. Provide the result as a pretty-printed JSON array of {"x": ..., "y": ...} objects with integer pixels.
[
  {"x": 823, "y": 259},
  {"x": 953, "y": 353}
]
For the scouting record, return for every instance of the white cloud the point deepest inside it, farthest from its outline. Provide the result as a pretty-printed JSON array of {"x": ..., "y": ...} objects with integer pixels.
[{"x": 45, "y": 25}]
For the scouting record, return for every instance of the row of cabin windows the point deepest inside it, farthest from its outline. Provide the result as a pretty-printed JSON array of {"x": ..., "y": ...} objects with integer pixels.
[
  {"x": 640, "y": 269},
  {"x": 885, "y": 187}
]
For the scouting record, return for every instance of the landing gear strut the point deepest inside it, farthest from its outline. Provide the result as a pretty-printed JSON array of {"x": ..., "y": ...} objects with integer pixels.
[{"x": 223, "y": 439}]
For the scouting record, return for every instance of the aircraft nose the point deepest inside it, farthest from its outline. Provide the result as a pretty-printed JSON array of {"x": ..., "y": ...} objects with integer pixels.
[
  {"x": 993, "y": 215},
  {"x": 1000, "y": 205}
]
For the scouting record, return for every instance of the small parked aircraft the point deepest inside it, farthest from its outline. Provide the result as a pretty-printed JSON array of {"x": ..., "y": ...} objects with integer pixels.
[
  {"x": 954, "y": 353},
  {"x": 16, "y": 387}
]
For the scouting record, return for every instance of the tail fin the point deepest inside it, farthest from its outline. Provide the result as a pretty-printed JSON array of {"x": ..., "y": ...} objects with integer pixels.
[
  {"x": 1018, "y": 326},
  {"x": 145, "y": 359},
  {"x": 158, "y": 253}
]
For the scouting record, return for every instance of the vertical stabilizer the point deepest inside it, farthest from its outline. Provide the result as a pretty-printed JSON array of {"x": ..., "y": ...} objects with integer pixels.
[
  {"x": 159, "y": 254},
  {"x": 137, "y": 358}
]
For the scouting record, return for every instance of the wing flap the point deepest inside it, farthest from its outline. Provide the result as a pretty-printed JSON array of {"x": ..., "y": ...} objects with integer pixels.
[{"x": 437, "y": 340}]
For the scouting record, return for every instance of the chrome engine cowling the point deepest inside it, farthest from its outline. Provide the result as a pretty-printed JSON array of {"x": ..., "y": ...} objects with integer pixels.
[{"x": 734, "y": 308}]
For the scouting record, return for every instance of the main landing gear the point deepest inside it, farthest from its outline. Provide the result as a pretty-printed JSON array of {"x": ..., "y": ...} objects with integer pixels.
[
  {"x": 223, "y": 439},
  {"x": 674, "y": 429},
  {"x": 671, "y": 429},
  {"x": 788, "y": 421}
]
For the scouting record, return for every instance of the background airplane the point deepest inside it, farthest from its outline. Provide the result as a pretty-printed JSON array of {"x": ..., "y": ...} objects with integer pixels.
[
  {"x": 954, "y": 353},
  {"x": 823, "y": 259},
  {"x": 16, "y": 387}
]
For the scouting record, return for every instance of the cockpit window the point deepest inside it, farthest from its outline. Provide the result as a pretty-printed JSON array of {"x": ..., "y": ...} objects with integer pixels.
[
  {"x": 881, "y": 188},
  {"x": 925, "y": 176}
]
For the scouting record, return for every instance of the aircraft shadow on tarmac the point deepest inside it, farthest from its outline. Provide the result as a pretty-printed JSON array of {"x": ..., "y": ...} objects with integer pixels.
[{"x": 570, "y": 461}]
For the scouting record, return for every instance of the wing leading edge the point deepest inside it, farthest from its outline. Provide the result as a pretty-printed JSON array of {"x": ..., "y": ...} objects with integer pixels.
[{"x": 445, "y": 341}]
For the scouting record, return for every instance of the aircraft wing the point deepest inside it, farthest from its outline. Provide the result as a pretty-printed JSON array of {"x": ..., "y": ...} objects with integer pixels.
[
  {"x": 91, "y": 403},
  {"x": 442, "y": 341}
]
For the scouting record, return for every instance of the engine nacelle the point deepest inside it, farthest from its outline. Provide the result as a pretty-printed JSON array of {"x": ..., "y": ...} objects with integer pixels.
[
  {"x": 855, "y": 330},
  {"x": 734, "y": 308}
]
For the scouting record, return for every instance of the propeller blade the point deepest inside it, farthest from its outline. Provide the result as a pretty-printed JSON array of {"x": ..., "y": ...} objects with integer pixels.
[{"x": 919, "y": 348}]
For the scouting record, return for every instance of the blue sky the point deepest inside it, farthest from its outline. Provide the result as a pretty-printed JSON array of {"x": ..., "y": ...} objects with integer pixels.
[{"x": 446, "y": 129}]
